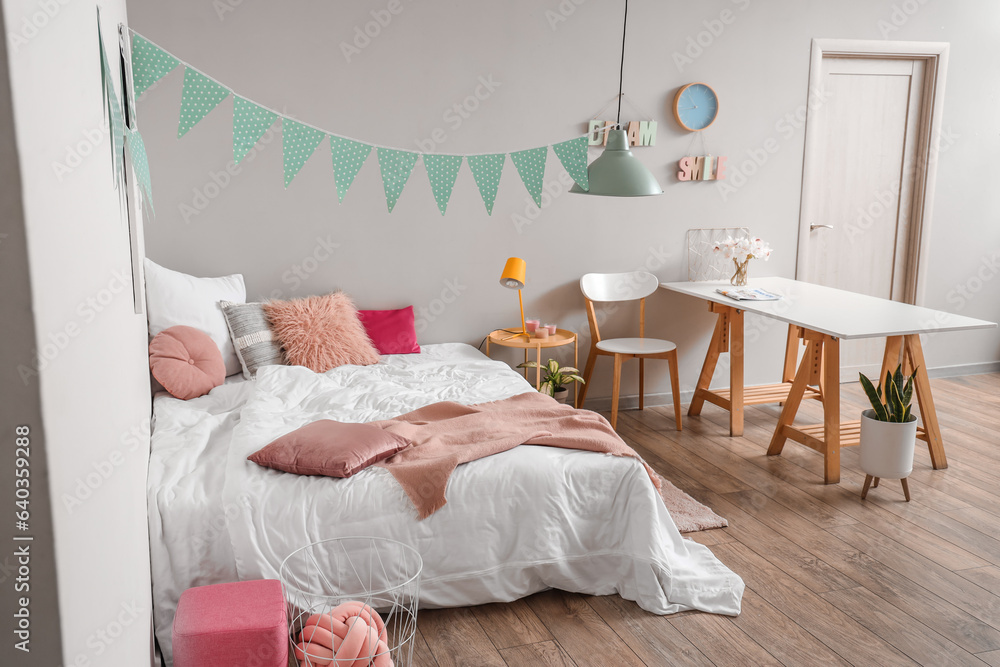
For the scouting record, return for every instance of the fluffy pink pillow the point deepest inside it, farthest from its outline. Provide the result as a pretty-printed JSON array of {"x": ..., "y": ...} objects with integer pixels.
[
  {"x": 392, "y": 331},
  {"x": 331, "y": 448},
  {"x": 186, "y": 361},
  {"x": 321, "y": 332}
]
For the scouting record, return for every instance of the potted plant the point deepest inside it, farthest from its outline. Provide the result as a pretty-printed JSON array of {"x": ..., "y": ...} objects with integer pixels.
[
  {"x": 888, "y": 430},
  {"x": 555, "y": 378}
]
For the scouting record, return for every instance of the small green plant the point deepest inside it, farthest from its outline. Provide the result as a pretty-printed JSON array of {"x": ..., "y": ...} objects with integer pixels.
[
  {"x": 554, "y": 377},
  {"x": 892, "y": 404}
]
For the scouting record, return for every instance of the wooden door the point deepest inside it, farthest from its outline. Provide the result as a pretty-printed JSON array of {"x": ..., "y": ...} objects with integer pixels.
[{"x": 865, "y": 162}]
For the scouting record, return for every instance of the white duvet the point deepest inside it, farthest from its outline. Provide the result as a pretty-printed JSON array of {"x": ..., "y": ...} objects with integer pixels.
[{"x": 516, "y": 523}]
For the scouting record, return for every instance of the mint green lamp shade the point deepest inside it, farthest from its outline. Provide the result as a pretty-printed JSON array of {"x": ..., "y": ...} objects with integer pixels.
[{"x": 617, "y": 173}]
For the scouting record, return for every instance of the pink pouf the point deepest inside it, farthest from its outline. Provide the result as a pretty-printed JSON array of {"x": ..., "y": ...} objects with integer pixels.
[{"x": 231, "y": 625}]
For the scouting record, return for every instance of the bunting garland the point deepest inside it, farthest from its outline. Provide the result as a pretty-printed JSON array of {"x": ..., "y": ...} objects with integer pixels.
[
  {"x": 486, "y": 169},
  {"x": 348, "y": 156},
  {"x": 396, "y": 166},
  {"x": 299, "y": 142},
  {"x": 442, "y": 170},
  {"x": 201, "y": 94},
  {"x": 250, "y": 122},
  {"x": 531, "y": 167},
  {"x": 122, "y": 136}
]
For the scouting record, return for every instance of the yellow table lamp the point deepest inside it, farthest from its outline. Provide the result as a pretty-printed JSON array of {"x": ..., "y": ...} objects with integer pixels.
[{"x": 513, "y": 277}]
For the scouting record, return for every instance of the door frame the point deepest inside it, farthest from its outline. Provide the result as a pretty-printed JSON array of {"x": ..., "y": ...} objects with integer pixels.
[{"x": 935, "y": 58}]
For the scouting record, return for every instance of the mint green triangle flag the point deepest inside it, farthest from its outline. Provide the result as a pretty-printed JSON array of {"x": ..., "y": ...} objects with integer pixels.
[
  {"x": 140, "y": 166},
  {"x": 250, "y": 122},
  {"x": 348, "y": 156},
  {"x": 396, "y": 167},
  {"x": 116, "y": 123},
  {"x": 573, "y": 155},
  {"x": 149, "y": 63},
  {"x": 531, "y": 167},
  {"x": 200, "y": 95},
  {"x": 298, "y": 143},
  {"x": 486, "y": 169},
  {"x": 442, "y": 170}
]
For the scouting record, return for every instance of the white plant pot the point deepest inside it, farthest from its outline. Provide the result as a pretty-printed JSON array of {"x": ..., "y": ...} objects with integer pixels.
[
  {"x": 562, "y": 395},
  {"x": 887, "y": 447}
]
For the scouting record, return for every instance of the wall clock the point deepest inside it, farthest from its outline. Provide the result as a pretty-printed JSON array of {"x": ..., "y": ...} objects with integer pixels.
[{"x": 695, "y": 106}]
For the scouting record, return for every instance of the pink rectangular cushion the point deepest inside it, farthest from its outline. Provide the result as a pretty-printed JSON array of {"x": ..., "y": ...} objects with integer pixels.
[
  {"x": 231, "y": 625},
  {"x": 392, "y": 331},
  {"x": 330, "y": 448}
]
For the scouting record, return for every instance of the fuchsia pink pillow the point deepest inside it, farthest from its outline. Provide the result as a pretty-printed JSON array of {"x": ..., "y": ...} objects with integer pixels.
[
  {"x": 330, "y": 448},
  {"x": 392, "y": 331},
  {"x": 321, "y": 332},
  {"x": 186, "y": 361}
]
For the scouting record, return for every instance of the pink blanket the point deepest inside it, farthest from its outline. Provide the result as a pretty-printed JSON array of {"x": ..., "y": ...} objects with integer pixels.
[{"x": 446, "y": 434}]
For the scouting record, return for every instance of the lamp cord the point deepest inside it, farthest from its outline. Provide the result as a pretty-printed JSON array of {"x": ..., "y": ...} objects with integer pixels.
[{"x": 621, "y": 71}]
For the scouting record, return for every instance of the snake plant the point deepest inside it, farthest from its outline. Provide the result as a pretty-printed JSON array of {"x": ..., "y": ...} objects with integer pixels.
[
  {"x": 554, "y": 377},
  {"x": 893, "y": 403}
]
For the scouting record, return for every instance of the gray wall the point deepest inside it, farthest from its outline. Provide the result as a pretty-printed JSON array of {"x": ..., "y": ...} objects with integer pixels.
[
  {"x": 87, "y": 359},
  {"x": 21, "y": 423},
  {"x": 556, "y": 64}
]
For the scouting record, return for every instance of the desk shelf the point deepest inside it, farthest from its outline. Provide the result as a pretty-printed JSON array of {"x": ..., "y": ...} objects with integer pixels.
[{"x": 850, "y": 435}]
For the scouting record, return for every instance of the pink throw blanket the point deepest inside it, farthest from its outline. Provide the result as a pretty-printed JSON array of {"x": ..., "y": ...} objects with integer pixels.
[{"x": 446, "y": 434}]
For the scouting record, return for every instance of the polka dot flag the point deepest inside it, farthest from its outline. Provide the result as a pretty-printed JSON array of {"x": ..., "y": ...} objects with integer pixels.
[
  {"x": 442, "y": 170},
  {"x": 298, "y": 143},
  {"x": 116, "y": 122},
  {"x": 348, "y": 157},
  {"x": 149, "y": 63},
  {"x": 200, "y": 96},
  {"x": 140, "y": 165},
  {"x": 573, "y": 155},
  {"x": 250, "y": 122},
  {"x": 486, "y": 169},
  {"x": 396, "y": 167},
  {"x": 531, "y": 167}
]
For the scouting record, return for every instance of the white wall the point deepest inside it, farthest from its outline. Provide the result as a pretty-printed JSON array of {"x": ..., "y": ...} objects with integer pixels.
[
  {"x": 557, "y": 64},
  {"x": 94, "y": 382}
]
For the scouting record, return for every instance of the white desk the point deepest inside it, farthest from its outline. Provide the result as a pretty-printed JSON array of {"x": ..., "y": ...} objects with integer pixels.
[{"x": 821, "y": 316}]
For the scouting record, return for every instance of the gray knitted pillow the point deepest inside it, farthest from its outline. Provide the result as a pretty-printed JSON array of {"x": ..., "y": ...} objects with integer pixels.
[{"x": 255, "y": 345}]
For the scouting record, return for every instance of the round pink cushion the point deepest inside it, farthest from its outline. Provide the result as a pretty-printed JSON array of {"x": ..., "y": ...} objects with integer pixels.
[
  {"x": 352, "y": 631},
  {"x": 186, "y": 361}
]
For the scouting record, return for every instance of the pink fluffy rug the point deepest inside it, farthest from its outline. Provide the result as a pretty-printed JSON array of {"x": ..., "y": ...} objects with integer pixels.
[{"x": 689, "y": 515}]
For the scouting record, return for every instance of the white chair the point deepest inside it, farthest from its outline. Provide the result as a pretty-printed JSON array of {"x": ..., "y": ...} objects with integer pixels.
[{"x": 615, "y": 287}]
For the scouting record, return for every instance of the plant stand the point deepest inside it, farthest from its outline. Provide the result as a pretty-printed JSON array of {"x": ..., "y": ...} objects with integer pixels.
[{"x": 868, "y": 482}]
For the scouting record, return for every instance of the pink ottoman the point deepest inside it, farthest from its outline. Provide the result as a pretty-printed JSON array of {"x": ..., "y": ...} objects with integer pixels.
[{"x": 231, "y": 625}]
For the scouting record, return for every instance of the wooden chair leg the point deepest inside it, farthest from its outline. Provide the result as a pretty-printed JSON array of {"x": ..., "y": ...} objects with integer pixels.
[
  {"x": 875, "y": 485},
  {"x": 615, "y": 389},
  {"x": 588, "y": 371},
  {"x": 642, "y": 382},
  {"x": 906, "y": 489},
  {"x": 675, "y": 386},
  {"x": 864, "y": 491}
]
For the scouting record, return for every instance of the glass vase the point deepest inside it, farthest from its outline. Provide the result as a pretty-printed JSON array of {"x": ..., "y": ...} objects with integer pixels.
[{"x": 742, "y": 268}]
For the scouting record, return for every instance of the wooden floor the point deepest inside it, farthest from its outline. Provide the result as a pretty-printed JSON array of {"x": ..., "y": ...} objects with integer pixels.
[{"x": 830, "y": 579}]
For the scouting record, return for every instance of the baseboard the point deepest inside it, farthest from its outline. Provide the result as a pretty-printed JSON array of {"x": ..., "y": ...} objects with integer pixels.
[
  {"x": 631, "y": 402},
  {"x": 964, "y": 369}
]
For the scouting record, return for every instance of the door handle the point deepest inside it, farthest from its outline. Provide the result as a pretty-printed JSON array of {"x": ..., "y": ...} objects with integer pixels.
[{"x": 813, "y": 228}]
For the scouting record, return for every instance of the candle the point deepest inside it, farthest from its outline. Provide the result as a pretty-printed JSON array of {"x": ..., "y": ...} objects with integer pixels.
[
  {"x": 531, "y": 325},
  {"x": 541, "y": 332},
  {"x": 551, "y": 328}
]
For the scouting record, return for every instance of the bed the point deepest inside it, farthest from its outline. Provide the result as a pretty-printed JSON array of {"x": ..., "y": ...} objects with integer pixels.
[{"x": 515, "y": 523}]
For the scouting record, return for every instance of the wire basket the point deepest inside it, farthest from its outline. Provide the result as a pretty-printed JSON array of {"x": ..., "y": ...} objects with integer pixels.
[{"x": 361, "y": 592}]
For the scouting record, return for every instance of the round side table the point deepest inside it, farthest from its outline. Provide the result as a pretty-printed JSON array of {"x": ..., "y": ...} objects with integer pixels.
[{"x": 504, "y": 338}]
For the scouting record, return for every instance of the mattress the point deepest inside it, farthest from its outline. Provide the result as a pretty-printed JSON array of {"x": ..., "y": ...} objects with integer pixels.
[{"x": 515, "y": 523}]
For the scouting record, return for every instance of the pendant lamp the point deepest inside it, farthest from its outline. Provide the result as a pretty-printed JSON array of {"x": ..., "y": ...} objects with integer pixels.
[{"x": 617, "y": 173}]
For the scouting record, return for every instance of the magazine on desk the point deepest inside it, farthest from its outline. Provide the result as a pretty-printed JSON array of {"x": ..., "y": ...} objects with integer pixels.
[{"x": 748, "y": 294}]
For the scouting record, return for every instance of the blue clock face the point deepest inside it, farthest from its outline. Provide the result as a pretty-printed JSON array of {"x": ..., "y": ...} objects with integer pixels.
[{"x": 696, "y": 106}]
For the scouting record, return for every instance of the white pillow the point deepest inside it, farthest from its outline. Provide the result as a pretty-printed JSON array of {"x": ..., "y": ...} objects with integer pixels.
[{"x": 174, "y": 298}]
